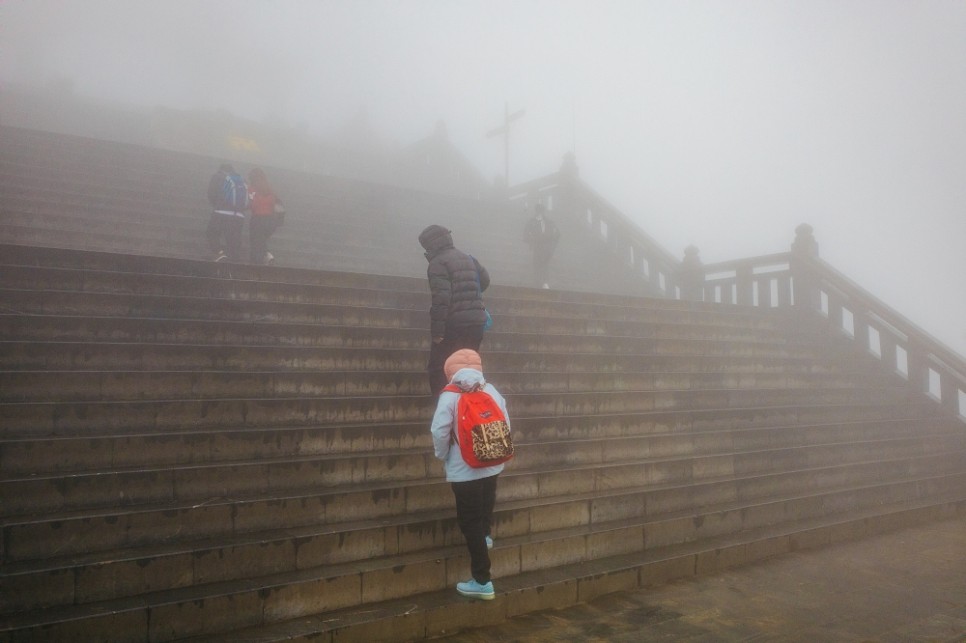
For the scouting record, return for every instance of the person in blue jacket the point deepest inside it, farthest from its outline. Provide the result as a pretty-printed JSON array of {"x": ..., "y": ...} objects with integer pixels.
[{"x": 474, "y": 488}]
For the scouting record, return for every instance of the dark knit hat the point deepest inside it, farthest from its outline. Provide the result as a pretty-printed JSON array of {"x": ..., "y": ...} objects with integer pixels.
[{"x": 428, "y": 236}]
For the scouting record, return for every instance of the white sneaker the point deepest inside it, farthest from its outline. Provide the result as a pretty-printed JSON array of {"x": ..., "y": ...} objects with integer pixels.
[
  {"x": 489, "y": 543},
  {"x": 269, "y": 258},
  {"x": 546, "y": 286}
]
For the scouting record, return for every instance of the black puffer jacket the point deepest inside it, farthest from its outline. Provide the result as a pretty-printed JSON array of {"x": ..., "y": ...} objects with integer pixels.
[{"x": 457, "y": 299}]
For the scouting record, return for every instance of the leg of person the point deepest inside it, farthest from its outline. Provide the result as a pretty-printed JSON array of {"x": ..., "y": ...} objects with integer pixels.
[
  {"x": 437, "y": 358},
  {"x": 257, "y": 240},
  {"x": 489, "y": 502},
  {"x": 270, "y": 226},
  {"x": 233, "y": 232},
  {"x": 470, "y": 337},
  {"x": 215, "y": 234},
  {"x": 543, "y": 269},
  {"x": 469, "y": 516}
]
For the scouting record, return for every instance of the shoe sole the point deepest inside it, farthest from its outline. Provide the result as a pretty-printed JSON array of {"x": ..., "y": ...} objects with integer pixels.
[{"x": 482, "y": 597}]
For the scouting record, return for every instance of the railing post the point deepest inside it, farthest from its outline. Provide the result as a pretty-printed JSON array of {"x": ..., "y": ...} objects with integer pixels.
[
  {"x": 744, "y": 286},
  {"x": 805, "y": 288},
  {"x": 860, "y": 326},
  {"x": 690, "y": 276},
  {"x": 836, "y": 317},
  {"x": 887, "y": 350},
  {"x": 917, "y": 366},
  {"x": 949, "y": 390}
]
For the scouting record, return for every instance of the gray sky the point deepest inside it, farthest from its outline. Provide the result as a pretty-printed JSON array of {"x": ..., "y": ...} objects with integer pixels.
[{"x": 722, "y": 124}]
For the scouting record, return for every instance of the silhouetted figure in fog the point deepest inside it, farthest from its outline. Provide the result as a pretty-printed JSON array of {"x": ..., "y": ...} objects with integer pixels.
[
  {"x": 266, "y": 216},
  {"x": 456, "y": 315},
  {"x": 228, "y": 196},
  {"x": 542, "y": 235}
]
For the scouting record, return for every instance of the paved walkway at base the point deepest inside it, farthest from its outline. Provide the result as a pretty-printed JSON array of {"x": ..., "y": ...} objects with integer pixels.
[{"x": 906, "y": 586}]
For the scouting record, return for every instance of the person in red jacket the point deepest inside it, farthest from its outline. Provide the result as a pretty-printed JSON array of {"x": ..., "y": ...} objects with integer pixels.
[{"x": 264, "y": 220}]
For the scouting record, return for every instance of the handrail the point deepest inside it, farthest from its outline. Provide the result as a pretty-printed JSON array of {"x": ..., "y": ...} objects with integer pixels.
[
  {"x": 806, "y": 283},
  {"x": 565, "y": 191},
  {"x": 796, "y": 280},
  {"x": 885, "y": 312}
]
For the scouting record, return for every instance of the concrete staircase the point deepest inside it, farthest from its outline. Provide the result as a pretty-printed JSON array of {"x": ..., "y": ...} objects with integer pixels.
[
  {"x": 195, "y": 451},
  {"x": 186, "y": 454},
  {"x": 71, "y": 192}
]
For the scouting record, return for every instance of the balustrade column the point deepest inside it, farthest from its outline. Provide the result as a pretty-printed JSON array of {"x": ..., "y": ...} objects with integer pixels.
[
  {"x": 745, "y": 286},
  {"x": 806, "y": 293},
  {"x": 860, "y": 327},
  {"x": 917, "y": 366},
  {"x": 690, "y": 276},
  {"x": 836, "y": 316},
  {"x": 949, "y": 388},
  {"x": 887, "y": 350}
]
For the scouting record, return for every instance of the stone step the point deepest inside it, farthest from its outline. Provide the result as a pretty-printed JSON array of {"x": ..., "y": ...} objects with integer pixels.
[
  {"x": 117, "y": 329},
  {"x": 69, "y": 491},
  {"x": 254, "y": 283},
  {"x": 445, "y": 613},
  {"x": 356, "y": 313},
  {"x": 304, "y": 592},
  {"x": 120, "y": 386},
  {"x": 176, "y": 518},
  {"x": 293, "y": 286},
  {"x": 169, "y": 225},
  {"x": 337, "y": 463},
  {"x": 19, "y": 418},
  {"x": 653, "y": 434},
  {"x": 147, "y": 267},
  {"x": 101, "y": 356}
]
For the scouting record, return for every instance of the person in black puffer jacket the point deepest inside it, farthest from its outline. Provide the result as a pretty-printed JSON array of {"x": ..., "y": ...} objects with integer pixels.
[{"x": 457, "y": 315}]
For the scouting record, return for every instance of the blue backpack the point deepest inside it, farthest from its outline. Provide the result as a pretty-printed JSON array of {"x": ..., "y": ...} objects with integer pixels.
[{"x": 234, "y": 193}]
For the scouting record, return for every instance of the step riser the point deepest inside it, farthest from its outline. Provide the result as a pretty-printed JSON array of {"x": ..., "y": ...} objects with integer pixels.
[
  {"x": 26, "y": 356},
  {"x": 218, "y": 518},
  {"x": 148, "y": 330},
  {"x": 122, "y": 386},
  {"x": 175, "y": 296},
  {"x": 655, "y": 437},
  {"x": 95, "y": 417},
  {"x": 105, "y": 489},
  {"x": 511, "y": 558}
]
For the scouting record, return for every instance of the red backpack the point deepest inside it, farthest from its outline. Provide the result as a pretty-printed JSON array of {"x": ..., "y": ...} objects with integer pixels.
[{"x": 481, "y": 429}]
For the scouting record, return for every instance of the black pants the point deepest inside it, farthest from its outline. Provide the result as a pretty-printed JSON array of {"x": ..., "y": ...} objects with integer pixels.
[
  {"x": 541, "y": 264},
  {"x": 260, "y": 228},
  {"x": 474, "y": 514},
  {"x": 470, "y": 337},
  {"x": 225, "y": 233}
]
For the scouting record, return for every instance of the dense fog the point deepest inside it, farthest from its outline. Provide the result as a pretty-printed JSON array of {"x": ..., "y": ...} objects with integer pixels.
[{"x": 718, "y": 124}]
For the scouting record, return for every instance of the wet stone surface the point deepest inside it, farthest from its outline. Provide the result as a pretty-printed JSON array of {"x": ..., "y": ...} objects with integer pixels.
[{"x": 902, "y": 587}]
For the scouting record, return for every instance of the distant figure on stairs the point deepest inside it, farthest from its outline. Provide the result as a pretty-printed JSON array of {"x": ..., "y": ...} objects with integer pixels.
[
  {"x": 267, "y": 211},
  {"x": 456, "y": 314},
  {"x": 542, "y": 234},
  {"x": 473, "y": 487},
  {"x": 228, "y": 196}
]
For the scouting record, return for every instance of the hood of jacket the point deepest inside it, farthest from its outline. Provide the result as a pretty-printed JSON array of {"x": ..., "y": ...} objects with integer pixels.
[
  {"x": 463, "y": 358},
  {"x": 435, "y": 238},
  {"x": 468, "y": 379}
]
